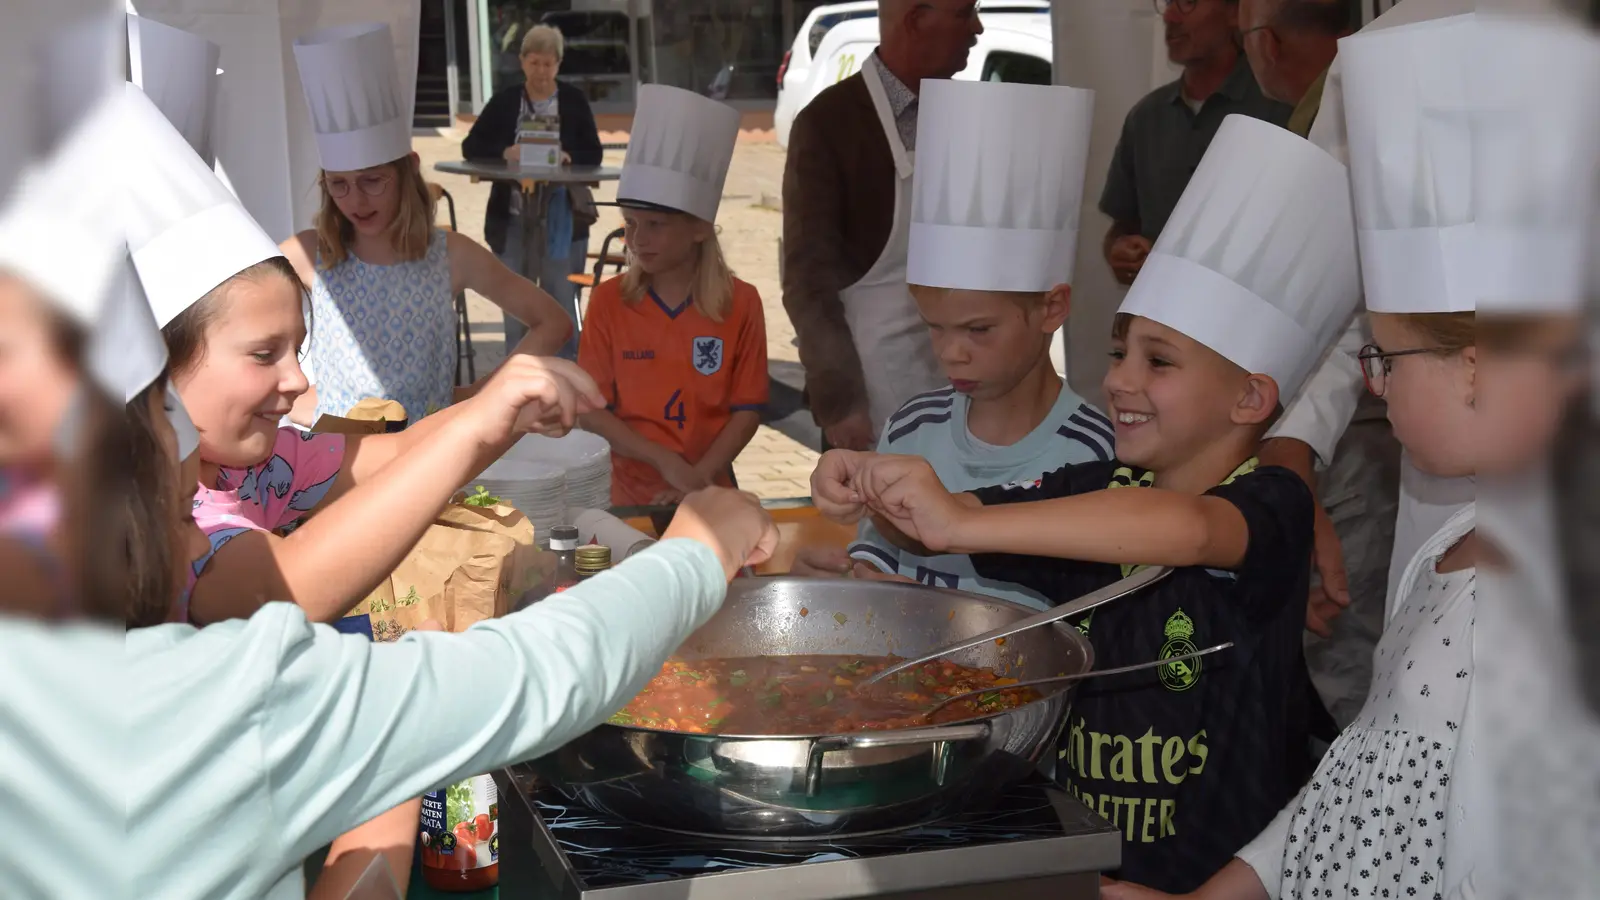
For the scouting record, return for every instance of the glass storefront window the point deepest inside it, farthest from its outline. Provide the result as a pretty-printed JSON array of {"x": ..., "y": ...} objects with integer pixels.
[{"x": 729, "y": 49}]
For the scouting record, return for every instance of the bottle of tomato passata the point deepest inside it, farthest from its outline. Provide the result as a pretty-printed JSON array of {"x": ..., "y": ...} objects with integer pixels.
[{"x": 461, "y": 836}]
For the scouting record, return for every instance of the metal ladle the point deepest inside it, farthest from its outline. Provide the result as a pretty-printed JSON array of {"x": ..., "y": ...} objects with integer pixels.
[
  {"x": 1114, "y": 591},
  {"x": 1059, "y": 679}
]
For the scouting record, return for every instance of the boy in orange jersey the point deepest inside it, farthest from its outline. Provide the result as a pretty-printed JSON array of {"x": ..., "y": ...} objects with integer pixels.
[{"x": 676, "y": 343}]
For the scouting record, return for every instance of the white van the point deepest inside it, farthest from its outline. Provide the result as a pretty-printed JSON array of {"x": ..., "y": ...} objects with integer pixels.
[{"x": 836, "y": 40}]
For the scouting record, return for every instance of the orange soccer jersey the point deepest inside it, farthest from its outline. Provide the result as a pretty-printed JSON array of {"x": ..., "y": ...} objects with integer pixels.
[{"x": 672, "y": 375}]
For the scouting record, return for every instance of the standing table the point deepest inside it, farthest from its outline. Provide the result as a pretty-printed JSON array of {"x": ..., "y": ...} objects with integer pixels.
[{"x": 536, "y": 183}]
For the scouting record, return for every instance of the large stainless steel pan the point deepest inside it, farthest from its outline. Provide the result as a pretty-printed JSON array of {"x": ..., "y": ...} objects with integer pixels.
[{"x": 816, "y": 785}]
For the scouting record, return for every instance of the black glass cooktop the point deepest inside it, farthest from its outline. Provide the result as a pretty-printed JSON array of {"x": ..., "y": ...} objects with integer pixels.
[{"x": 600, "y": 851}]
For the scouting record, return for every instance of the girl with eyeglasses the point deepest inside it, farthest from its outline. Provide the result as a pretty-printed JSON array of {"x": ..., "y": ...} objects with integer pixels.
[{"x": 383, "y": 283}]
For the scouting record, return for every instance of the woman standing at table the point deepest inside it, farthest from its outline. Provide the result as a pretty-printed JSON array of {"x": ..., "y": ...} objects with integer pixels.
[{"x": 494, "y": 137}]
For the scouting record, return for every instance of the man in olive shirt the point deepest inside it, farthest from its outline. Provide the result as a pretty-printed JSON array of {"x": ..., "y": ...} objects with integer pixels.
[{"x": 1166, "y": 133}]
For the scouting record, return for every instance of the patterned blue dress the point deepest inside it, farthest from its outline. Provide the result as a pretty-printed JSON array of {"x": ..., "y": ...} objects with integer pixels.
[{"x": 386, "y": 332}]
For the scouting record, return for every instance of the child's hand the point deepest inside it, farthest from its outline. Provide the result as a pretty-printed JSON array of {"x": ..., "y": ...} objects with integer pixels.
[
  {"x": 869, "y": 572},
  {"x": 668, "y": 497},
  {"x": 820, "y": 561},
  {"x": 532, "y": 394},
  {"x": 833, "y": 486},
  {"x": 683, "y": 477},
  {"x": 908, "y": 494},
  {"x": 732, "y": 523}
]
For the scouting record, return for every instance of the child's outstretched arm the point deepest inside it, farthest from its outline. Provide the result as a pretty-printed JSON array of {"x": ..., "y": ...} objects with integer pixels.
[
  {"x": 1143, "y": 526},
  {"x": 473, "y": 267},
  {"x": 334, "y": 559}
]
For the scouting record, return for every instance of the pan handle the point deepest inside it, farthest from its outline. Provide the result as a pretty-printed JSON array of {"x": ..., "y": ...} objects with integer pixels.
[{"x": 940, "y": 736}]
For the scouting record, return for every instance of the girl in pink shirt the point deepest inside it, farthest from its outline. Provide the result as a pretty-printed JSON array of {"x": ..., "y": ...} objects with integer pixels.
[{"x": 233, "y": 359}]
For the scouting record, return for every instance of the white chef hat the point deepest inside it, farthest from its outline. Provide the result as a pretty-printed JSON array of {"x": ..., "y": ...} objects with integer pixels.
[
  {"x": 352, "y": 85},
  {"x": 998, "y": 185},
  {"x": 60, "y": 234},
  {"x": 178, "y": 72},
  {"x": 1536, "y": 161},
  {"x": 1409, "y": 101},
  {"x": 187, "y": 231},
  {"x": 678, "y": 153},
  {"x": 1258, "y": 261},
  {"x": 78, "y": 65}
]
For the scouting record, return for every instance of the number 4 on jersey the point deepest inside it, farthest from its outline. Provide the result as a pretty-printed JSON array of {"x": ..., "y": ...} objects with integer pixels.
[{"x": 672, "y": 414}]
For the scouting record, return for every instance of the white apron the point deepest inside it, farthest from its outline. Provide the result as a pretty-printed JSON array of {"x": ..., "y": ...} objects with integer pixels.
[{"x": 897, "y": 358}]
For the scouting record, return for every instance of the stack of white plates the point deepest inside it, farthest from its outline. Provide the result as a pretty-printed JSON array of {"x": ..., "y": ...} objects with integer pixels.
[
  {"x": 585, "y": 458},
  {"x": 537, "y": 490}
]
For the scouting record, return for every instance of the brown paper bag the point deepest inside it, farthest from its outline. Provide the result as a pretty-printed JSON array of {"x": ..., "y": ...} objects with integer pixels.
[
  {"x": 473, "y": 563},
  {"x": 370, "y": 416},
  {"x": 341, "y": 425}
]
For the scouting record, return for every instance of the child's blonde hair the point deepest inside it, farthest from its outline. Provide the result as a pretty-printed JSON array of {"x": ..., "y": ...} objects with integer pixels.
[
  {"x": 713, "y": 281},
  {"x": 410, "y": 231},
  {"x": 1450, "y": 333}
]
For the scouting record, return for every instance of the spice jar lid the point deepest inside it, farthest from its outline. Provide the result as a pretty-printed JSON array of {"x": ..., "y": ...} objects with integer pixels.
[{"x": 598, "y": 554}]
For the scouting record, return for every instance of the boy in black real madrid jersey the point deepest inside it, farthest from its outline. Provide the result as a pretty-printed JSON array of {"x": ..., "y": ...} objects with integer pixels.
[{"x": 1251, "y": 280}]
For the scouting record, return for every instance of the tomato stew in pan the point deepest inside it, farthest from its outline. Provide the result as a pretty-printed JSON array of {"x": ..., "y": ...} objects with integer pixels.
[{"x": 782, "y": 695}]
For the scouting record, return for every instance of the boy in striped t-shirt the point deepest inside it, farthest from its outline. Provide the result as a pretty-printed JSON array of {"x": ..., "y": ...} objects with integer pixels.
[
  {"x": 1007, "y": 418},
  {"x": 994, "y": 221}
]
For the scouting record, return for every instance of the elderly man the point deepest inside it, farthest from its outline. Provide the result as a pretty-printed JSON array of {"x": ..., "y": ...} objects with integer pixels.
[
  {"x": 1290, "y": 45},
  {"x": 1166, "y": 133},
  {"x": 846, "y": 214}
]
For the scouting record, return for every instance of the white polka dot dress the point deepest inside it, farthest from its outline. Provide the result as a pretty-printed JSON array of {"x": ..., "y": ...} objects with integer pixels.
[{"x": 1371, "y": 822}]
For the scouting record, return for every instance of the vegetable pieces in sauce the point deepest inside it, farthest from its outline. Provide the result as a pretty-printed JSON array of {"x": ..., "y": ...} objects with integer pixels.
[{"x": 774, "y": 695}]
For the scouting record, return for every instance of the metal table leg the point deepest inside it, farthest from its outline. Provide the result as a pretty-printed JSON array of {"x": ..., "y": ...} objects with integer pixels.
[{"x": 535, "y": 203}]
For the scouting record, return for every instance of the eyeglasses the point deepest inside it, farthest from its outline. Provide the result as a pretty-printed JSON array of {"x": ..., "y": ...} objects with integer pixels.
[
  {"x": 372, "y": 185},
  {"x": 1184, "y": 6},
  {"x": 1376, "y": 364}
]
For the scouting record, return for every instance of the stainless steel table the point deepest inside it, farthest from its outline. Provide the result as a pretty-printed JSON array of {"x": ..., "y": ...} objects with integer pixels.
[{"x": 536, "y": 184}]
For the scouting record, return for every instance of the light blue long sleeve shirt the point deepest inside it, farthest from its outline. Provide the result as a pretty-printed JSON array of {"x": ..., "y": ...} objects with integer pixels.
[{"x": 177, "y": 762}]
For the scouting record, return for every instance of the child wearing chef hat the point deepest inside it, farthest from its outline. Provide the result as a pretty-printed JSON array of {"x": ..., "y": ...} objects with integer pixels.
[
  {"x": 996, "y": 195},
  {"x": 230, "y": 309},
  {"x": 677, "y": 344},
  {"x": 1246, "y": 287},
  {"x": 383, "y": 277},
  {"x": 79, "y": 346},
  {"x": 1385, "y": 810}
]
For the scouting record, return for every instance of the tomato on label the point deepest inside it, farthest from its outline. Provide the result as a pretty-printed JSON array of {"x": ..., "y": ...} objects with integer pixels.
[
  {"x": 483, "y": 827},
  {"x": 464, "y": 834}
]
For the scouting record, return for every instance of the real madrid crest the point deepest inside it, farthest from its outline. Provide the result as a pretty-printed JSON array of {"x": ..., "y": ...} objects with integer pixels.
[{"x": 1179, "y": 676}]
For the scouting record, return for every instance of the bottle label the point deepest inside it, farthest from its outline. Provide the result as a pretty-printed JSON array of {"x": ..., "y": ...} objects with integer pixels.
[{"x": 461, "y": 825}]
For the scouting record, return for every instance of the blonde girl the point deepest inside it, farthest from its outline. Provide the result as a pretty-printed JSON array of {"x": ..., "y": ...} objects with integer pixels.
[
  {"x": 383, "y": 285},
  {"x": 678, "y": 346}
]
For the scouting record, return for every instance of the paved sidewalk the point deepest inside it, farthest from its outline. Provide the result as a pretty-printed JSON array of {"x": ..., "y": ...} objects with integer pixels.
[{"x": 778, "y": 462}]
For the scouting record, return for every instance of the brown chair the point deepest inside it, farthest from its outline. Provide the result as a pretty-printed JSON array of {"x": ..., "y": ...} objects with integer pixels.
[
  {"x": 587, "y": 280},
  {"x": 466, "y": 364}
]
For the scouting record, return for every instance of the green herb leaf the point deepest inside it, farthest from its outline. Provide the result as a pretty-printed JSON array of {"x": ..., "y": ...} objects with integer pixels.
[
  {"x": 771, "y": 700},
  {"x": 738, "y": 678},
  {"x": 841, "y": 618},
  {"x": 480, "y": 496}
]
